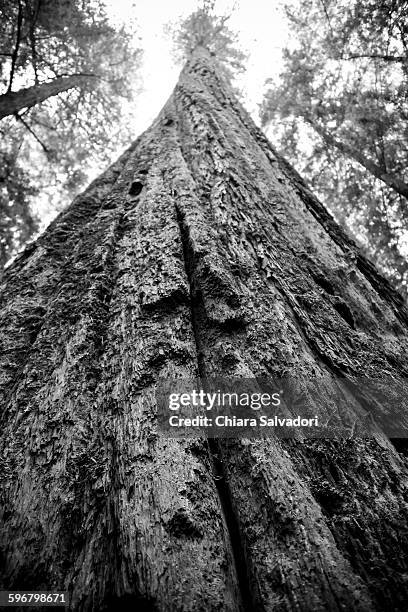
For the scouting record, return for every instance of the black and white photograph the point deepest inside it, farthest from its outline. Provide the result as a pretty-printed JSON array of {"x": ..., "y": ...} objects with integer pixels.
[{"x": 203, "y": 305}]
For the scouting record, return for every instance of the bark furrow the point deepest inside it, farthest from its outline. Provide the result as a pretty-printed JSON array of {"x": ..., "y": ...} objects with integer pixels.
[{"x": 214, "y": 446}]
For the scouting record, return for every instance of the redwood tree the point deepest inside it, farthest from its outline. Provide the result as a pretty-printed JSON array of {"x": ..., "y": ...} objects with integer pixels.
[{"x": 199, "y": 253}]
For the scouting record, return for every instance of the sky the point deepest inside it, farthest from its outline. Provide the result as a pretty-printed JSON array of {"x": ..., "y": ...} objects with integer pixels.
[{"x": 260, "y": 25}]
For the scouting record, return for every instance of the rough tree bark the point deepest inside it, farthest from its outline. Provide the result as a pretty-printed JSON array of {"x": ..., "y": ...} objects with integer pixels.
[
  {"x": 200, "y": 252},
  {"x": 14, "y": 101}
]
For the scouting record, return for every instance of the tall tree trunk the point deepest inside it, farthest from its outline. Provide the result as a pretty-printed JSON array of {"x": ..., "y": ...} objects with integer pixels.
[
  {"x": 377, "y": 171},
  {"x": 14, "y": 101},
  {"x": 199, "y": 253}
]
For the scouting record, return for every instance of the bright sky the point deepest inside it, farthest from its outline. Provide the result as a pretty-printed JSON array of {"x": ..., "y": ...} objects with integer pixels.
[{"x": 262, "y": 31}]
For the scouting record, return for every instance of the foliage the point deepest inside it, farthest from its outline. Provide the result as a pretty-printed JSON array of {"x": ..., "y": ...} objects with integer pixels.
[
  {"x": 17, "y": 223},
  {"x": 342, "y": 108},
  {"x": 204, "y": 28},
  {"x": 41, "y": 40}
]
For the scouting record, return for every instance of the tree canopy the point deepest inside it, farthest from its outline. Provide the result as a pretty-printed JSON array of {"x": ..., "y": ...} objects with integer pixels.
[
  {"x": 205, "y": 28},
  {"x": 64, "y": 73},
  {"x": 340, "y": 114}
]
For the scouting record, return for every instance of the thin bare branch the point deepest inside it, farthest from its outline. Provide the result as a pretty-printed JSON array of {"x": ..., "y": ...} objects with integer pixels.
[
  {"x": 19, "y": 118},
  {"x": 385, "y": 58},
  {"x": 327, "y": 15}
]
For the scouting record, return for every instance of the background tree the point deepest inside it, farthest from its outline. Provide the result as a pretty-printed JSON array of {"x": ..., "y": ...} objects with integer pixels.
[
  {"x": 65, "y": 72},
  {"x": 17, "y": 222},
  {"x": 199, "y": 253},
  {"x": 344, "y": 92}
]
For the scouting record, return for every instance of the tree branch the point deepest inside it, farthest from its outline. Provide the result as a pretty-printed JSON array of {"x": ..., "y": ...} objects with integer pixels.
[
  {"x": 399, "y": 185},
  {"x": 19, "y": 118},
  {"x": 14, "y": 101},
  {"x": 386, "y": 58},
  {"x": 327, "y": 15}
]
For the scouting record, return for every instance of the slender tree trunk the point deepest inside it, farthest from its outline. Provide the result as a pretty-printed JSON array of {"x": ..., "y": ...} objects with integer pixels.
[
  {"x": 14, "y": 101},
  {"x": 199, "y": 253},
  {"x": 380, "y": 173}
]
